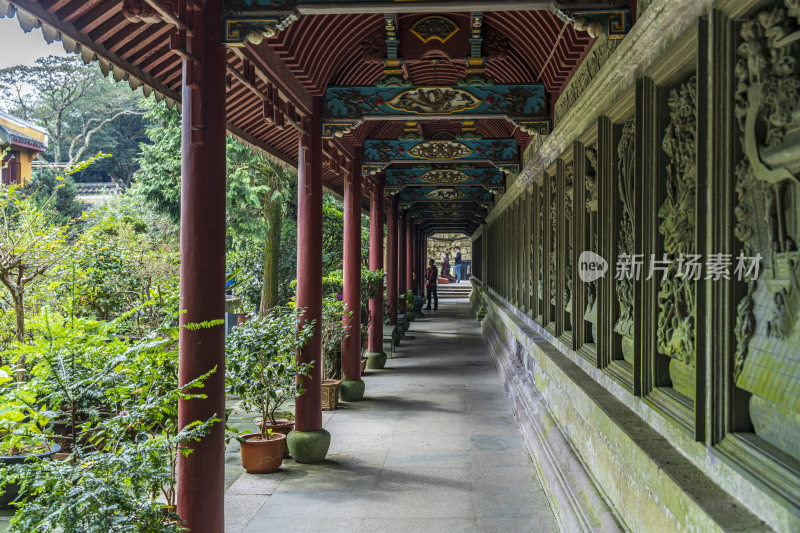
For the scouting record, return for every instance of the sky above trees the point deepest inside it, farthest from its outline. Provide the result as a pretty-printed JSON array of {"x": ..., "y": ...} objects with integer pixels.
[{"x": 20, "y": 48}]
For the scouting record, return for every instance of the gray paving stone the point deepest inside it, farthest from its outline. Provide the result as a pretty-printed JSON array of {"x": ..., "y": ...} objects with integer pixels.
[
  {"x": 240, "y": 510},
  {"x": 300, "y": 523},
  {"x": 434, "y": 447},
  {"x": 517, "y": 525},
  {"x": 496, "y": 443},
  {"x": 511, "y": 503},
  {"x": 439, "y": 502},
  {"x": 418, "y": 525},
  {"x": 316, "y": 503}
]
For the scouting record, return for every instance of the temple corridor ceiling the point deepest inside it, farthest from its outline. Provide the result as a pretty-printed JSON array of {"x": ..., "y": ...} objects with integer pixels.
[{"x": 432, "y": 86}]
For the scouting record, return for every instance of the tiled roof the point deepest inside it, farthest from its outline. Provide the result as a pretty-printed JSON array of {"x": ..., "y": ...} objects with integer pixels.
[{"x": 13, "y": 137}]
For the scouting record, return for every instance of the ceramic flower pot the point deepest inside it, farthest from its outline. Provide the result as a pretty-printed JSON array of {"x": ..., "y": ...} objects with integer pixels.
[
  {"x": 261, "y": 456},
  {"x": 330, "y": 394},
  {"x": 282, "y": 426}
]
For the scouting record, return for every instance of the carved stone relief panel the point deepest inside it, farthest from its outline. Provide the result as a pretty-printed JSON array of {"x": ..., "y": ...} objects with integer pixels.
[
  {"x": 675, "y": 334},
  {"x": 625, "y": 187},
  {"x": 540, "y": 249},
  {"x": 569, "y": 180},
  {"x": 767, "y": 359},
  {"x": 591, "y": 194},
  {"x": 553, "y": 243}
]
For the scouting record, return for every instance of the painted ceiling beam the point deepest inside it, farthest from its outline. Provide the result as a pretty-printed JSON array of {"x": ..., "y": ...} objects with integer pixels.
[
  {"x": 330, "y": 7},
  {"x": 524, "y": 105},
  {"x": 379, "y": 154},
  {"x": 433, "y": 229},
  {"x": 255, "y": 20},
  {"x": 449, "y": 209},
  {"x": 412, "y": 195},
  {"x": 448, "y": 228},
  {"x": 425, "y": 176}
]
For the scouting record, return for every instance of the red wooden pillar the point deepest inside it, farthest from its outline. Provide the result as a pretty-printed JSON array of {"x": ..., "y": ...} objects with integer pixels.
[
  {"x": 401, "y": 262},
  {"x": 375, "y": 354},
  {"x": 391, "y": 258},
  {"x": 414, "y": 257},
  {"x": 309, "y": 443},
  {"x": 418, "y": 257},
  {"x": 352, "y": 387},
  {"x": 409, "y": 253},
  {"x": 420, "y": 260},
  {"x": 425, "y": 256},
  {"x": 201, "y": 474}
]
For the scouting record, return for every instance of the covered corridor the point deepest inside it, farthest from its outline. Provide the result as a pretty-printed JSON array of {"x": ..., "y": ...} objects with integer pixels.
[
  {"x": 433, "y": 447},
  {"x": 592, "y": 150}
]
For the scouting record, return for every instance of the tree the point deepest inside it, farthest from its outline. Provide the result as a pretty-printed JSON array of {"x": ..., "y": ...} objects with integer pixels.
[
  {"x": 257, "y": 193},
  {"x": 73, "y": 101},
  {"x": 255, "y": 180},
  {"x": 30, "y": 244},
  {"x": 46, "y": 187},
  {"x": 332, "y": 234},
  {"x": 159, "y": 181}
]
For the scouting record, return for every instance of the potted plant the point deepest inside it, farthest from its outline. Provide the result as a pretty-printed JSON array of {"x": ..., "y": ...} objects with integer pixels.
[
  {"x": 411, "y": 304},
  {"x": 262, "y": 371},
  {"x": 333, "y": 333},
  {"x": 371, "y": 287}
]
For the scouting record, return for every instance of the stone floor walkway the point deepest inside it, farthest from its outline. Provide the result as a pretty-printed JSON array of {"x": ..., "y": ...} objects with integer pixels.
[{"x": 433, "y": 447}]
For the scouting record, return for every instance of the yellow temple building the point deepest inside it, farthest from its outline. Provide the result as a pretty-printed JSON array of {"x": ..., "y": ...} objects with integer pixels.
[{"x": 21, "y": 141}]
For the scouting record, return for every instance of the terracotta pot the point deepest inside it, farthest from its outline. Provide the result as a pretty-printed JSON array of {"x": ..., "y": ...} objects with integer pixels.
[
  {"x": 262, "y": 456},
  {"x": 282, "y": 426},
  {"x": 330, "y": 394}
]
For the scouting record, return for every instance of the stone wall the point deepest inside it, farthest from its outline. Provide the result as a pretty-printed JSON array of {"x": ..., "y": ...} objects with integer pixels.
[
  {"x": 436, "y": 247},
  {"x": 664, "y": 402}
]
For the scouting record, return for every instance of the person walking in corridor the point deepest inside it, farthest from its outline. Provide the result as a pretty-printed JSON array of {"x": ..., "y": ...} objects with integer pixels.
[
  {"x": 457, "y": 264},
  {"x": 431, "y": 276}
]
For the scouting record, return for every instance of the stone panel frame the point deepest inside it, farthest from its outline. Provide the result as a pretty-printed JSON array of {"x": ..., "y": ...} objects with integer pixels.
[
  {"x": 519, "y": 254},
  {"x": 582, "y": 238},
  {"x": 542, "y": 223},
  {"x": 563, "y": 238},
  {"x": 527, "y": 246},
  {"x": 549, "y": 242},
  {"x": 534, "y": 258},
  {"x": 730, "y": 432},
  {"x": 682, "y": 60},
  {"x": 609, "y": 347},
  {"x": 477, "y": 257}
]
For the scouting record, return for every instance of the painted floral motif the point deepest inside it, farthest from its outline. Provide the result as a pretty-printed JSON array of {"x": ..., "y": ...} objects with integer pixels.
[
  {"x": 440, "y": 150},
  {"x": 411, "y": 195},
  {"x": 444, "y": 176},
  {"x": 526, "y": 104},
  {"x": 434, "y": 101},
  {"x": 445, "y": 194}
]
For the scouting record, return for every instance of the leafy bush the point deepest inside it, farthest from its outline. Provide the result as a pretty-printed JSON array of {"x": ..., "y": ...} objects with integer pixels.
[
  {"x": 120, "y": 399},
  {"x": 261, "y": 366},
  {"x": 333, "y": 333}
]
